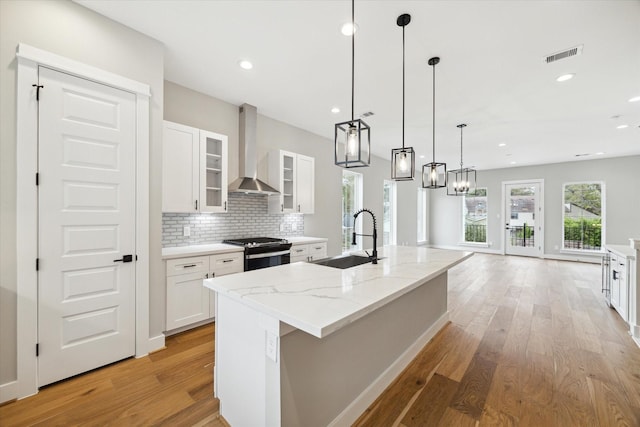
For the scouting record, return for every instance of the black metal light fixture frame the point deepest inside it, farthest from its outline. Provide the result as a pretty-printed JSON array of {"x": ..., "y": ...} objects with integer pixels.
[
  {"x": 461, "y": 181},
  {"x": 403, "y": 160},
  {"x": 353, "y": 137},
  {"x": 434, "y": 174}
]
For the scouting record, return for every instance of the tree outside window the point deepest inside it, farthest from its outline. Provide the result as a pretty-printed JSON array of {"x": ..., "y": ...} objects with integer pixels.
[
  {"x": 474, "y": 207},
  {"x": 583, "y": 216}
]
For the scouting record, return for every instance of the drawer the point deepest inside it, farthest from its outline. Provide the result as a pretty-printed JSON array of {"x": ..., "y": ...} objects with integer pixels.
[
  {"x": 179, "y": 266},
  {"x": 300, "y": 250},
  {"x": 318, "y": 250},
  {"x": 226, "y": 263}
]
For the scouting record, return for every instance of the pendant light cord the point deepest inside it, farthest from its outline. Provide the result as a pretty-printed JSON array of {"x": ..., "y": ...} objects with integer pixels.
[
  {"x": 403, "y": 87},
  {"x": 353, "y": 48},
  {"x": 434, "y": 113},
  {"x": 461, "y": 127}
]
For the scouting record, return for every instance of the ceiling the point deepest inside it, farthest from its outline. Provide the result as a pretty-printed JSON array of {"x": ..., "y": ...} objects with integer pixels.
[{"x": 491, "y": 76}]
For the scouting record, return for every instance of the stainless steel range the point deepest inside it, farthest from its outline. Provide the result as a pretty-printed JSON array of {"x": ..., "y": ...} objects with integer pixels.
[{"x": 262, "y": 252}]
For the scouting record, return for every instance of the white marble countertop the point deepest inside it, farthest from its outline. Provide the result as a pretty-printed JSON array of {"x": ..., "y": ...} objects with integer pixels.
[
  {"x": 301, "y": 240},
  {"x": 623, "y": 250},
  {"x": 196, "y": 250},
  {"x": 320, "y": 300}
]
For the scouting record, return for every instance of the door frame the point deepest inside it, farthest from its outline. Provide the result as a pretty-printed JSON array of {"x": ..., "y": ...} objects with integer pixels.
[
  {"x": 540, "y": 220},
  {"x": 29, "y": 59}
]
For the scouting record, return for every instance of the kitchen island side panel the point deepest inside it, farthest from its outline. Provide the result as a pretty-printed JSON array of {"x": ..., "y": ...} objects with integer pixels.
[{"x": 320, "y": 378}]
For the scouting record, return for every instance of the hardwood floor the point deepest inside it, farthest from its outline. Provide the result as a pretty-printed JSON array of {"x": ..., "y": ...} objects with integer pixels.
[
  {"x": 530, "y": 343},
  {"x": 172, "y": 387}
]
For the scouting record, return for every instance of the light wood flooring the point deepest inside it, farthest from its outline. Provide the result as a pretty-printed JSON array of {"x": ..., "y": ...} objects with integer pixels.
[{"x": 530, "y": 343}]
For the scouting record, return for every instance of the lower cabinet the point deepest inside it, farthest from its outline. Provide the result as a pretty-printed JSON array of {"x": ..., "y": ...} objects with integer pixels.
[
  {"x": 308, "y": 252},
  {"x": 619, "y": 271},
  {"x": 188, "y": 301}
]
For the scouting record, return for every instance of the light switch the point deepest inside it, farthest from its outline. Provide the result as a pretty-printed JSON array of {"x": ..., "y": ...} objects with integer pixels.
[{"x": 186, "y": 231}]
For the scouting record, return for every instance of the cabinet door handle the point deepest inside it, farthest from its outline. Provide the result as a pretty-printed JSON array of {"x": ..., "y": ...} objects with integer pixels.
[
  {"x": 196, "y": 205},
  {"x": 189, "y": 266},
  {"x": 225, "y": 206},
  {"x": 282, "y": 207},
  {"x": 227, "y": 260},
  {"x": 206, "y": 276},
  {"x": 318, "y": 247},
  {"x": 298, "y": 208}
]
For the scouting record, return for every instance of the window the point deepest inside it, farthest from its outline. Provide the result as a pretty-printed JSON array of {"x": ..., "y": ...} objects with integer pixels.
[
  {"x": 389, "y": 213},
  {"x": 351, "y": 203},
  {"x": 583, "y": 216},
  {"x": 422, "y": 215},
  {"x": 474, "y": 216}
]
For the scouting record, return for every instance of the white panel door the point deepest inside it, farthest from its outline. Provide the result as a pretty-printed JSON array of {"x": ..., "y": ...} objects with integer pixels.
[
  {"x": 86, "y": 215},
  {"x": 523, "y": 219}
]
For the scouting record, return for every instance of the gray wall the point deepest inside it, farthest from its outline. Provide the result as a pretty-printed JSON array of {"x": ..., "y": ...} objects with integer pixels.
[
  {"x": 183, "y": 105},
  {"x": 70, "y": 30},
  {"x": 621, "y": 176}
]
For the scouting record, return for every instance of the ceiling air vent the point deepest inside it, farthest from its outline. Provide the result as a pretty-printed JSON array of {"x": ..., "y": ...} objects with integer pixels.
[
  {"x": 564, "y": 54},
  {"x": 367, "y": 114}
]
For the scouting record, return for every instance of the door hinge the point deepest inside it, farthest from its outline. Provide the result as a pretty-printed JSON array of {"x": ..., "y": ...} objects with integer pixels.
[
  {"x": 37, "y": 264},
  {"x": 37, "y": 349},
  {"x": 38, "y": 87},
  {"x": 37, "y": 178}
]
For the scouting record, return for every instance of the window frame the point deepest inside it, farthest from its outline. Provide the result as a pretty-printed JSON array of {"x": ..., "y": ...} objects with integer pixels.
[
  {"x": 422, "y": 200},
  {"x": 463, "y": 238},
  {"x": 393, "y": 211},
  {"x": 603, "y": 218},
  {"x": 358, "y": 204}
]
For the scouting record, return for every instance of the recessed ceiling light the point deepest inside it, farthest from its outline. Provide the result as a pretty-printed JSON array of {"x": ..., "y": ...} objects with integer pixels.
[
  {"x": 513, "y": 163},
  {"x": 335, "y": 110},
  {"x": 599, "y": 153},
  {"x": 348, "y": 28},
  {"x": 634, "y": 99},
  {"x": 565, "y": 77},
  {"x": 622, "y": 126},
  {"x": 244, "y": 64},
  {"x": 422, "y": 156},
  {"x": 502, "y": 145}
]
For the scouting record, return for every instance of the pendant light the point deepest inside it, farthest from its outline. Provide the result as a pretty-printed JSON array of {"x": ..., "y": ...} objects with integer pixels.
[
  {"x": 352, "y": 138},
  {"x": 403, "y": 160},
  {"x": 461, "y": 181},
  {"x": 434, "y": 174}
]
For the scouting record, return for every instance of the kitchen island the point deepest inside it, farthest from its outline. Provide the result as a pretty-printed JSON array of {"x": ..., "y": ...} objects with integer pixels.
[{"x": 305, "y": 344}]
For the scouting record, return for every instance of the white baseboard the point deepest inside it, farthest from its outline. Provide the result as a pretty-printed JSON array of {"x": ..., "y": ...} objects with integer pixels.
[
  {"x": 155, "y": 343},
  {"x": 375, "y": 389},
  {"x": 8, "y": 391},
  {"x": 468, "y": 249},
  {"x": 579, "y": 258}
]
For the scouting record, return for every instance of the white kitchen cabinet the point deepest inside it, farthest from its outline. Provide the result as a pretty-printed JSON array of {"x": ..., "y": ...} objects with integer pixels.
[
  {"x": 188, "y": 301},
  {"x": 308, "y": 252},
  {"x": 619, "y": 271},
  {"x": 194, "y": 169},
  {"x": 293, "y": 175}
]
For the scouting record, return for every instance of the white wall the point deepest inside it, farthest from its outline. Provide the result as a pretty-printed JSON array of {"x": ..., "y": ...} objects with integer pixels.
[
  {"x": 70, "y": 30},
  {"x": 621, "y": 176}
]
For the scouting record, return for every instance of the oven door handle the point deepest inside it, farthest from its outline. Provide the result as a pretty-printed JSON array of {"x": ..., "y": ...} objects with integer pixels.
[{"x": 266, "y": 254}]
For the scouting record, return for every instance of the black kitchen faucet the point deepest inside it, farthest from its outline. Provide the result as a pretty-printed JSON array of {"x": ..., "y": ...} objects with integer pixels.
[{"x": 374, "y": 255}]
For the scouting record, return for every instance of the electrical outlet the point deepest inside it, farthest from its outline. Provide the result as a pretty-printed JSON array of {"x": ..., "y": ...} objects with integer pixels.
[
  {"x": 294, "y": 227},
  {"x": 282, "y": 226},
  {"x": 272, "y": 346},
  {"x": 186, "y": 231}
]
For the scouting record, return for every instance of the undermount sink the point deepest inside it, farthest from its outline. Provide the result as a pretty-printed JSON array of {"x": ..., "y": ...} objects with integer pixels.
[{"x": 343, "y": 261}]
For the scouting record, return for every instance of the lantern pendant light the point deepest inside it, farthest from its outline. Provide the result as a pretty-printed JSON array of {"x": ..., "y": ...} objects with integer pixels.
[
  {"x": 403, "y": 160},
  {"x": 434, "y": 174},
  {"x": 461, "y": 181},
  {"x": 352, "y": 138}
]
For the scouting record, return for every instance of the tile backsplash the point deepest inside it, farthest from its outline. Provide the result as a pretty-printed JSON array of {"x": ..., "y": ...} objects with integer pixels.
[{"x": 247, "y": 217}]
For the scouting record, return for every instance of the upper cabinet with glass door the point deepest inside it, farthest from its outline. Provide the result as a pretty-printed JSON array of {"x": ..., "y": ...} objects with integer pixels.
[
  {"x": 194, "y": 170},
  {"x": 213, "y": 172},
  {"x": 293, "y": 175}
]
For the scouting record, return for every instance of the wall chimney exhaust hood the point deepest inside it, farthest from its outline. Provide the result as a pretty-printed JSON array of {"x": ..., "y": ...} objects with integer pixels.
[{"x": 248, "y": 181}]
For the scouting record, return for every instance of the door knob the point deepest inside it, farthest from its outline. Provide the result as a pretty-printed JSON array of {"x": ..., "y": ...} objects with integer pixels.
[{"x": 125, "y": 258}]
